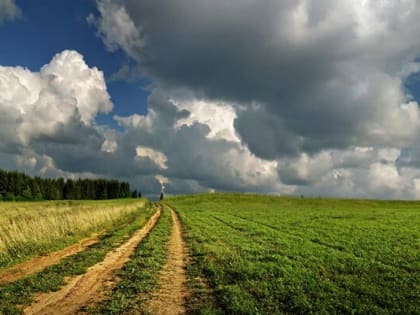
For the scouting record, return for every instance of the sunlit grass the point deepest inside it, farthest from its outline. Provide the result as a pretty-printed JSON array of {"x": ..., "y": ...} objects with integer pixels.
[
  {"x": 16, "y": 295},
  {"x": 271, "y": 255},
  {"x": 30, "y": 228}
]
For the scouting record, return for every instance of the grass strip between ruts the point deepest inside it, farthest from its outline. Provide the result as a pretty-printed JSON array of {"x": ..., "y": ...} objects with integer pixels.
[
  {"x": 138, "y": 279},
  {"x": 17, "y": 294}
]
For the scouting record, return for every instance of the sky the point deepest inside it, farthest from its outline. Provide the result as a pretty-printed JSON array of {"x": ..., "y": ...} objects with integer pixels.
[{"x": 302, "y": 97}]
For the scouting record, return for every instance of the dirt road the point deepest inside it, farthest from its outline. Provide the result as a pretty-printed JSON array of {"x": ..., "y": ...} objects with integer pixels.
[
  {"x": 39, "y": 263},
  {"x": 90, "y": 288},
  {"x": 170, "y": 298}
]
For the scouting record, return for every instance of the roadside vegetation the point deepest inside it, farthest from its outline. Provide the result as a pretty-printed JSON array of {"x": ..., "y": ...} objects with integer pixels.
[
  {"x": 139, "y": 277},
  {"x": 274, "y": 255},
  {"x": 14, "y": 296},
  {"x": 38, "y": 228}
]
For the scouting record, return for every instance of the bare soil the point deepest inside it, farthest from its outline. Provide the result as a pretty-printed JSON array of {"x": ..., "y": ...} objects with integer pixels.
[
  {"x": 37, "y": 264},
  {"x": 90, "y": 288},
  {"x": 170, "y": 297}
]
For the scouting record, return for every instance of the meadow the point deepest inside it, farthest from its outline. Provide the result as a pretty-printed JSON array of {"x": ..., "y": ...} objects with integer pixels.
[
  {"x": 246, "y": 254},
  {"x": 37, "y": 228},
  {"x": 21, "y": 292},
  {"x": 277, "y": 255}
]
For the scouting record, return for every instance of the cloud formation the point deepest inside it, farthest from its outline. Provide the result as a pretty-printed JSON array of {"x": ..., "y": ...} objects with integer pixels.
[
  {"x": 291, "y": 97},
  {"x": 48, "y": 128},
  {"x": 56, "y": 103},
  {"x": 306, "y": 82},
  {"x": 322, "y": 75},
  {"x": 116, "y": 28},
  {"x": 52, "y": 108}
]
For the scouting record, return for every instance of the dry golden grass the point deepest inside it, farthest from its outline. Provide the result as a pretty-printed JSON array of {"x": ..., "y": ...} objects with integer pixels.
[{"x": 29, "y": 228}]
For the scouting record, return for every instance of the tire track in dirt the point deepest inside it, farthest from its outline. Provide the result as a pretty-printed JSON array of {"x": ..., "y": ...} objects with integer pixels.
[
  {"x": 90, "y": 288},
  {"x": 37, "y": 264},
  {"x": 170, "y": 297}
]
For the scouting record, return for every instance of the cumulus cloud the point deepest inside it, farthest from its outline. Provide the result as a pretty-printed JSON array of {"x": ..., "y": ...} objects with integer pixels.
[
  {"x": 47, "y": 117},
  {"x": 49, "y": 127},
  {"x": 218, "y": 116},
  {"x": 8, "y": 10},
  {"x": 116, "y": 28},
  {"x": 292, "y": 97},
  {"x": 321, "y": 73},
  {"x": 65, "y": 94},
  {"x": 308, "y": 85},
  {"x": 70, "y": 76},
  {"x": 155, "y": 156},
  {"x": 187, "y": 150},
  {"x": 363, "y": 172},
  {"x": 109, "y": 146}
]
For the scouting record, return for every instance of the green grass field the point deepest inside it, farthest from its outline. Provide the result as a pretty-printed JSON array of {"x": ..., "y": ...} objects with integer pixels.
[
  {"x": 267, "y": 255},
  {"x": 248, "y": 254}
]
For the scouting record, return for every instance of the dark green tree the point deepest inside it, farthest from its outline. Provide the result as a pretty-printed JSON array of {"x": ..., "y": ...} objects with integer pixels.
[{"x": 19, "y": 186}]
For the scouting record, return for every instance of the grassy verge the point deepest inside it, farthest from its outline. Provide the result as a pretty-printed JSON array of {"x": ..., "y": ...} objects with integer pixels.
[
  {"x": 37, "y": 228},
  {"x": 266, "y": 255},
  {"x": 22, "y": 291},
  {"x": 138, "y": 279}
]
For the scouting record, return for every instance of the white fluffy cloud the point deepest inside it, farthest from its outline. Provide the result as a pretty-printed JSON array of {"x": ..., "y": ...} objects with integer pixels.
[
  {"x": 301, "y": 97},
  {"x": 36, "y": 104},
  {"x": 155, "y": 156},
  {"x": 45, "y": 116},
  {"x": 363, "y": 172},
  {"x": 189, "y": 149},
  {"x": 218, "y": 116},
  {"x": 49, "y": 128},
  {"x": 70, "y": 77}
]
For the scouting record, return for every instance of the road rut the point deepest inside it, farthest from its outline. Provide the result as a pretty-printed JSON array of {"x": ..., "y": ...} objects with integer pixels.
[
  {"x": 37, "y": 264},
  {"x": 170, "y": 298},
  {"x": 90, "y": 288}
]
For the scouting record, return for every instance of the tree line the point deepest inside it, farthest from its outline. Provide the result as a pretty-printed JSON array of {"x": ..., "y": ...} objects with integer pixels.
[{"x": 19, "y": 186}]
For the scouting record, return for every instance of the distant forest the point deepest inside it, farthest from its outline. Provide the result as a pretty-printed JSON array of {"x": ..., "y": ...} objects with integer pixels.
[{"x": 16, "y": 186}]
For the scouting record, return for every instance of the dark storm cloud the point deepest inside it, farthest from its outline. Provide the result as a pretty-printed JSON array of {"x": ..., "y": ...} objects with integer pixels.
[
  {"x": 319, "y": 71},
  {"x": 233, "y": 50},
  {"x": 254, "y": 96}
]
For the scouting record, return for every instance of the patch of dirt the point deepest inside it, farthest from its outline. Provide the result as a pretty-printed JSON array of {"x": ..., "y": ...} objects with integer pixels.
[
  {"x": 90, "y": 288},
  {"x": 39, "y": 263},
  {"x": 170, "y": 297}
]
